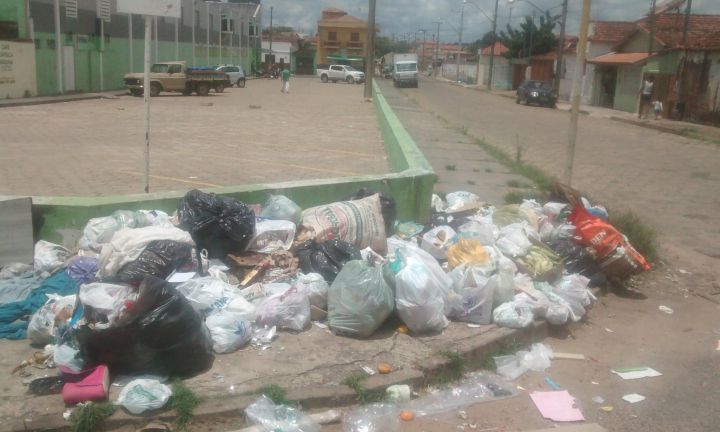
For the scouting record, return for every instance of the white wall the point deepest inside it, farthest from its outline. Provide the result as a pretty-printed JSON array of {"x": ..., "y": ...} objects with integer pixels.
[
  {"x": 17, "y": 69},
  {"x": 713, "y": 90},
  {"x": 280, "y": 49},
  {"x": 468, "y": 72}
]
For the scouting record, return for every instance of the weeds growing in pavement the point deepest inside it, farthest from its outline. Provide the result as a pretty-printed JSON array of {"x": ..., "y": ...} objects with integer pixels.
[
  {"x": 518, "y": 184},
  {"x": 363, "y": 395},
  {"x": 517, "y": 197},
  {"x": 503, "y": 347},
  {"x": 183, "y": 401},
  {"x": 452, "y": 371},
  {"x": 641, "y": 236},
  {"x": 88, "y": 417},
  {"x": 276, "y": 393},
  {"x": 450, "y": 167}
]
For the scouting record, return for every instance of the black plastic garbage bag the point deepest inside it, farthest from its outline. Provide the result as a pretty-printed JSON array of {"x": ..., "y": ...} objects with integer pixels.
[
  {"x": 387, "y": 207},
  {"x": 219, "y": 224},
  {"x": 160, "y": 258},
  {"x": 326, "y": 258},
  {"x": 161, "y": 334}
]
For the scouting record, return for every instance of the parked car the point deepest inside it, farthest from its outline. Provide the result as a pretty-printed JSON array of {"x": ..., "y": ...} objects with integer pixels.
[
  {"x": 538, "y": 92},
  {"x": 236, "y": 74},
  {"x": 177, "y": 77},
  {"x": 337, "y": 73},
  {"x": 388, "y": 72}
]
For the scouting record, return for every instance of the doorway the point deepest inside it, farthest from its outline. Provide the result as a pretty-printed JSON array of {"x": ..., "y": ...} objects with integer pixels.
[{"x": 69, "y": 68}]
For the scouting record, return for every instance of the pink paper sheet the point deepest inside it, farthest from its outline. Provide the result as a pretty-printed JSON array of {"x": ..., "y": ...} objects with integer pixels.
[{"x": 557, "y": 406}]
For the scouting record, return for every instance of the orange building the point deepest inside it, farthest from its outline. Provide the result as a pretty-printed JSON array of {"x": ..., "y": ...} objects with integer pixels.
[{"x": 341, "y": 38}]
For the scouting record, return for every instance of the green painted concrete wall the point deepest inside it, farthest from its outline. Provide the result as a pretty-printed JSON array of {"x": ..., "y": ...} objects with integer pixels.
[
  {"x": 663, "y": 64},
  {"x": 116, "y": 60},
  {"x": 14, "y": 10},
  {"x": 627, "y": 88},
  {"x": 410, "y": 183}
]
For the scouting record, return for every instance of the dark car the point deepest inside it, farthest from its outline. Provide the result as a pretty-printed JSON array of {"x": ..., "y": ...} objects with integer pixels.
[
  {"x": 538, "y": 92},
  {"x": 388, "y": 71}
]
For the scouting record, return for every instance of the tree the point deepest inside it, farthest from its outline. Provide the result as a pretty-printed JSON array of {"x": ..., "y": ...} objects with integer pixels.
[
  {"x": 383, "y": 45},
  {"x": 542, "y": 37},
  {"x": 481, "y": 43}
]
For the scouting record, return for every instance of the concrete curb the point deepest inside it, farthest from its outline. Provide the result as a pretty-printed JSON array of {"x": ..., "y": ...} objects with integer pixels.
[
  {"x": 10, "y": 103},
  {"x": 656, "y": 127},
  {"x": 472, "y": 352}
]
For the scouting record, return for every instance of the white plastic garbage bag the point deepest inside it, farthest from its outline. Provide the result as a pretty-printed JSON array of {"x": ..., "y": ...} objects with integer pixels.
[
  {"x": 437, "y": 203},
  {"x": 107, "y": 299},
  {"x": 289, "y": 311},
  {"x": 208, "y": 295},
  {"x": 437, "y": 241},
  {"x": 229, "y": 330},
  {"x": 502, "y": 282},
  {"x": 279, "y": 418},
  {"x": 471, "y": 296},
  {"x": 421, "y": 290},
  {"x": 513, "y": 240},
  {"x": 49, "y": 256},
  {"x": 272, "y": 235},
  {"x": 459, "y": 201},
  {"x": 142, "y": 395},
  {"x": 41, "y": 328},
  {"x": 68, "y": 357},
  {"x": 573, "y": 289},
  {"x": 97, "y": 232},
  {"x": 127, "y": 244},
  {"x": 480, "y": 228},
  {"x": 513, "y": 314},
  {"x": 315, "y": 287}
]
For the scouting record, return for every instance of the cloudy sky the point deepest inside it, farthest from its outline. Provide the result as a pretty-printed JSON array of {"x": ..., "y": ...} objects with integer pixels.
[{"x": 403, "y": 17}]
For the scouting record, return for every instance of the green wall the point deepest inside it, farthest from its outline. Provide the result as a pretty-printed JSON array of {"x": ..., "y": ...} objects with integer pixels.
[
  {"x": 628, "y": 85},
  {"x": 14, "y": 10},
  {"x": 116, "y": 60},
  {"x": 663, "y": 64}
]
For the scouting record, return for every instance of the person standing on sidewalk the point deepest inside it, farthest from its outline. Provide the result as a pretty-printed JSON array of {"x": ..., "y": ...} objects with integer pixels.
[
  {"x": 646, "y": 92},
  {"x": 286, "y": 80}
]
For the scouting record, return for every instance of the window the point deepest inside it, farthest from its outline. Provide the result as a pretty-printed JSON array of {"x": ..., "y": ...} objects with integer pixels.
[
  {"x": 336, "y": 68},
  {"x": 332, "y": 36},
  {"x": 197, "y": 18},
  {"x": 9, "y": 30},
  {"x": 174, "y": 69},
  {"x": 159, "y": 68},
  {"x": 354, "y": 37},
  {"x": 38, "y": 44},
  {"x": 232, "y": 69}
]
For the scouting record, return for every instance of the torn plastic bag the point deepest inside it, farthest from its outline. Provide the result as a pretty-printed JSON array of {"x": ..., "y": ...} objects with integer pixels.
[
  {"x": 229, "y": 330},
  {"x": 280, "y": 207},
  {"x": 161, "y": 334},
  {"x": 208, "y": 295},
  {"x": 326, "y": 258},
  {"x": 387, "y": 206},
  {"x": 82, "y": 269},
  {"x": 58, "y": 309},
  {"x": 421, "y": 290},
  {"x": 268, "y": 416},
  {"x": 289, "y": 310},
  {"x": 379, "y": 417},
  {"x": 358, "y": 222},
  {"x": 315, "y": 287},
  {"x": 159, "y": 259},
  {"x": 272, "y": 235},
  {"x": 437, "y": 241},
  {"x": 359, "y": 300},
  {"x": 461, "y": 201},
  {"x": 218, "y": 224},
  {"x": 142, "y": 395},
  {"x": 128, "y": 243},
  {"x": 49, "y": 256},
  {"x": 471, "y": 296},
  {"x": 105, "y": 302}
]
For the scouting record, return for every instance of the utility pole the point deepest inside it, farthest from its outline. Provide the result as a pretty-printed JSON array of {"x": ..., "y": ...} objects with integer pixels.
[
  {"x": 207, "y": 35},
  {"x": 424, "y": 32},
  {"x": 492, "y": 47},
  {"x": 687, "y": 24},
  {"x": 271, "y": 34},
  {"x": 651, "y": 42},
  {"x": 561, "y": 47},
  {"x": 194, "y": 61},
  {"x": 577, "y": 80},
  {"x": 370, "y": 57},
  {"x": 437, "y": 47},
  {"x": 532, "y": 30},
  {"x": 130, "y": 43},
  {"x": 58, "y": 48},
  {"x": 457, "y": 55}
]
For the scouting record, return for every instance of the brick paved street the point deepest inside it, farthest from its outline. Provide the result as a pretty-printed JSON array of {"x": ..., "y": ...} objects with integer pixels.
[{"x": 95, "y": 147}]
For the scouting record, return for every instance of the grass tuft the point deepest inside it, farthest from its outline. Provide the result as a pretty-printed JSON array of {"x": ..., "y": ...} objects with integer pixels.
[
  {"x": 452, "y": 371},
  {"x": 641, "y": 236},
  {"x": 517, "y": 197},
  {"x": 88, "y": 417},
  {"x": 363, "y": 395},
  {"x": 183, "y": 401},
  {"x": 276, "y": 393},
  {"x": 518, "y": 184},
  {"x": 450, "y": 167}
]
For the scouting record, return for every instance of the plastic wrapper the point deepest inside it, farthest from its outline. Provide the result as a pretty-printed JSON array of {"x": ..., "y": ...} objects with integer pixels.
[
  {"x": 471, "y": 296},
  {"x": 437, "y": 241},
  {"x": 208, "y": 295},
  {"x": 159, "y": 259},
  {"x": 477, "y": 387},
  {"x": 387, "y": 206},
  {"x": 421, "y": 290},
  {"x": 161, "y": 334},
  {"x": 218, "y": 224},
  {"x": 315, "y": 287},
  {"x": 468, "y": 251},
  {"x": 358, "y": 222},
  {"x": 379, "y": 417},
  {"x": 407, "y": 230},
  {"x": 359, "y": 300},
  {"x": 326, "y": 258},
  {"x": 540, "y": 263},
  {"x": 67, "y": 357},
  {"x": 437, "y": 204},
  {"x": 142, "y": 395},
  {"x": 104, "y": 302},
  {"x": 280, "y": 207},
  {"x": 271, "y": 417},
  {"x": 41, "y": 328},
  {"x": 229, "y": 330},
  {"x": 82, "y": 269},
  {"x": 460, "y": 201},
  {"x": 289, "y": 310},
  {"x": 514, "y": 213},
  {"x": 272, "y": 235},
  {"x": 513, "y": 366},
  {"x": 49, "y": 256},
  {"x": 127, "y": 245}
]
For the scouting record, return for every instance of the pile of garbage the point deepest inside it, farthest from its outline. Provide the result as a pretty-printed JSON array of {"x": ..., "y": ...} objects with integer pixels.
[{"x": 148, "y": 293}]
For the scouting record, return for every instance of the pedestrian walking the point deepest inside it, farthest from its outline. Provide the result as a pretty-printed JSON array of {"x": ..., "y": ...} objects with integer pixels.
[
  {"x": 646, "y": 92},
  {"x": 286, "y": 80},
  {"x": 658, "y": 108}
]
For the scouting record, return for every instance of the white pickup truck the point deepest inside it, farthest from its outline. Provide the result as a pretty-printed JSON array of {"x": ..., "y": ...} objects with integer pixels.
[{"x": 337, "y": 73}]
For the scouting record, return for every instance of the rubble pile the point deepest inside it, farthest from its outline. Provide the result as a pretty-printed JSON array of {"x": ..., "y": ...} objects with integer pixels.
[{"x": 148, "y": 293}]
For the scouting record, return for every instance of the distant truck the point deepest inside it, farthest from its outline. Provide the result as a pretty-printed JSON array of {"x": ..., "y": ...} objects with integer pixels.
[
  {"x": 337, "y": 73},
  {"x": 405, "y": 70},
  {"x": 177, "y": 77}
]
